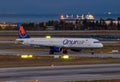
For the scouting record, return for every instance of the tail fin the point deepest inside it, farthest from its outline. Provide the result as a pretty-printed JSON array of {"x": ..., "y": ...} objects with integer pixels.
[{"x": 22, "y": 32}]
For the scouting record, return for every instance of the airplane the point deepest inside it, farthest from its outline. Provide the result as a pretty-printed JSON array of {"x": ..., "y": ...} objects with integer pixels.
[{"x": 57, "y": 44}]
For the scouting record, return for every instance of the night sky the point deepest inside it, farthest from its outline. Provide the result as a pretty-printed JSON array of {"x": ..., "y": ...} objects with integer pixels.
[{"x": 59, "y": 6}]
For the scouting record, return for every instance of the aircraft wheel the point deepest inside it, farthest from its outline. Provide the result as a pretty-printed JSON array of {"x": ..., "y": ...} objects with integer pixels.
[
  {"x": 65, "y": 51},
  {"x": 92, "y": 53},
  {"x": 51, "y": 52}
]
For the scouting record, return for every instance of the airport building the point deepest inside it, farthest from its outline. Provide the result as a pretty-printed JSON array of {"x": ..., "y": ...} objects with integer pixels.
[
  {"x": 77, "y": 18},
  {"x": 5, "y": 25},
  {"x": 89, "y": 17}
]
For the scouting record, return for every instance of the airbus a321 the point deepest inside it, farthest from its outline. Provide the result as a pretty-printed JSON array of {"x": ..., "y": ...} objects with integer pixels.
[{"x": 58, "y": 44}]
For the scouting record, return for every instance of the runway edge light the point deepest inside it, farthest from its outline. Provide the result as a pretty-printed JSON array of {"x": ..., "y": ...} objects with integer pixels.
[
  {"x": 65, "y": 57},
  {"x": 26, "y": 56},
  {"x": 48, "y": 36}
]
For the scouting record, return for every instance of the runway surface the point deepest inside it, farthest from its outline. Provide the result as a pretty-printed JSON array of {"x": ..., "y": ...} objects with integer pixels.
[
  {"x": 60, "y": 73},
  {"x": 46, "y": 53},
  {"x": 11, "y": 50},
  {"x": 57, "y": 73}
]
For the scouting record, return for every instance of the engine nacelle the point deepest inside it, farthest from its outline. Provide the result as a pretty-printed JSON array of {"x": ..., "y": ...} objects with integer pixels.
[
  {"x": 76, "y": 50},
  {"x": 56, "y": 49}
]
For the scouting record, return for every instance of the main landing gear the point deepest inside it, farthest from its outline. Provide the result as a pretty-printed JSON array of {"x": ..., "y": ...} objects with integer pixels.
[
  {"x": 52, "y": 51},
  {"x": 92, "y": 52}
]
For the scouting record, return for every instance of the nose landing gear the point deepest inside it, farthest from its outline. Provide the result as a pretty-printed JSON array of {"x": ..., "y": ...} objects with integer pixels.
[{"x": 65, "y": 51}]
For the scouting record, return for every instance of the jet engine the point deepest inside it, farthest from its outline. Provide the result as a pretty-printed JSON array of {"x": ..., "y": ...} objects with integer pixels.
[{"x": 55, "y": 49}]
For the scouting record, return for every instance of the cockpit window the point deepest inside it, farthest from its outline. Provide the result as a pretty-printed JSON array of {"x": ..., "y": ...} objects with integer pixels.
[{"x": 96, "y": 42}]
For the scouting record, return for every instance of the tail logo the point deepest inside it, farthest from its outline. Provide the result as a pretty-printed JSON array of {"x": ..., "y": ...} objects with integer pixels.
[{"x": 22, "y": 30}]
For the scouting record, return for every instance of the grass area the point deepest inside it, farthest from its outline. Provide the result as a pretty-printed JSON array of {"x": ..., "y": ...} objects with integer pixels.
[
  {"x": 116, "y": 80},
  {"x": 17, "y": 61}
]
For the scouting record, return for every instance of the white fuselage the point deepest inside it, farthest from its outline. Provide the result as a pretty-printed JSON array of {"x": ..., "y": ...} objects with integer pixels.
[{"x": 62, "y": 42}]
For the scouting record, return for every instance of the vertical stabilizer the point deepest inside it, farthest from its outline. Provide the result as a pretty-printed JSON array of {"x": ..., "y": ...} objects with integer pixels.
[{"x": 22, "y": 32}]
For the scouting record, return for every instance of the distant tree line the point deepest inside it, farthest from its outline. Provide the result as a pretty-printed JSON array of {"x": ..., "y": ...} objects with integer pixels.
[{"x": 79, "y": 25}]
